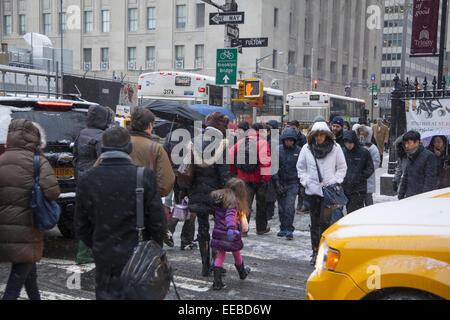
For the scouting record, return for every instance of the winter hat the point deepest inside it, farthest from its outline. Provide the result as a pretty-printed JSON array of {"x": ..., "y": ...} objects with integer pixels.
[
  {"x": 289, "y": 133},
  {"x": 338, "y": 120},
  {"x": 273, "y": 123},
  {"x": 294, "y": 123},
  {"x": 350, "y": 136},
  {"x": 219, "y": 121},
  {"x": 319, "y": 119},
  {"x": 244, "y": 125}
]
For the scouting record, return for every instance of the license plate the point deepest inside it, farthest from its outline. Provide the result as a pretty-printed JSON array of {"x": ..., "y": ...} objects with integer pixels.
[{"x": 64, "y": 172}]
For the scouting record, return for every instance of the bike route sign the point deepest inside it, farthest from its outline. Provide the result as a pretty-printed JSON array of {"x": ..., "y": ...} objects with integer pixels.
[{"x": 226, "y": 67}]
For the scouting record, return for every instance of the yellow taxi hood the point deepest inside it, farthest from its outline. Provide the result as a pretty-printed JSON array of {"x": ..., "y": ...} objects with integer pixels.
[{"x": 409, "y": 217}]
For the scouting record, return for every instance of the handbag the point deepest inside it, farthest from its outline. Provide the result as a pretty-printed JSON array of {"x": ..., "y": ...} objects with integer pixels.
[
  {"x": 181, "y": 211},
  {"x": 147, "y": 274},
  {"x": 46, "y": 213},
  {"x": 333, "y": 195}
]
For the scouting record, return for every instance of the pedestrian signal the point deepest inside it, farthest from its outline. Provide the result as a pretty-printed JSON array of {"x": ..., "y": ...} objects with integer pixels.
[
  {"x": 253, "y": 89},
  {"x": 316, "y": 84}
]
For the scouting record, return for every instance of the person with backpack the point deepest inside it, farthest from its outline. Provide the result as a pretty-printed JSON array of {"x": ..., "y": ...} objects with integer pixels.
[
  {"x": 250, "y": 157},
  {"x": 287, "y": 182},
  {"x": 105, "y": 213},
  {"x": 87, "y": 149},
  {"x": 230, "y": 208},
  {"x": 21, "y": 243}
]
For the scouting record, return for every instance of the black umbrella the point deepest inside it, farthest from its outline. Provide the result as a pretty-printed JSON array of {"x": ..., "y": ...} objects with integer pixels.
[
  {"x": 163, "y": 128},
  {"x": 173, "y": 111}
]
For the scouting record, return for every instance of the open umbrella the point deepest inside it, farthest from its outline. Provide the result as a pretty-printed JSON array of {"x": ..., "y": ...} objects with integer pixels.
[
  {"x": 207, "y": 109},
  {"x": 173, "y": 111},
  {"x": 427, "y": 136}
]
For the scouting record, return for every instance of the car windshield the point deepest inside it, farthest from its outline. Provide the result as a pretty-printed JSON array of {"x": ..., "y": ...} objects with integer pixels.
[{"x": 60, "y": 127}]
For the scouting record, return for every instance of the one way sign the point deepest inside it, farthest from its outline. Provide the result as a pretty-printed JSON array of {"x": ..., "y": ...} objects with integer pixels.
[{"x": 218, "y": 18}]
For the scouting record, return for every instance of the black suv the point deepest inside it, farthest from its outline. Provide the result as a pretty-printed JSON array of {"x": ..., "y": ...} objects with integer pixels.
[{"x": 62, "y": 119}]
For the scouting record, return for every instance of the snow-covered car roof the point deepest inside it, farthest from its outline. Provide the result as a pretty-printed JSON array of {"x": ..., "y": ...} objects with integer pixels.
[{"x": 424, "y": 215}]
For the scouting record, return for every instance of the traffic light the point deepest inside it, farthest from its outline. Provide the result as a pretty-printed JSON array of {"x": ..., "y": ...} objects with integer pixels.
[
  {"x": 253, "y": 89},
  {"x": 316, "y": 84}
]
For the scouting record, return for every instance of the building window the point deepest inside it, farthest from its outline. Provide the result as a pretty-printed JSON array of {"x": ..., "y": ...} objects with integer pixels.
[
  {"x": 179, "y": 57},
  {"x": 181, "y": 17},
  {"x": 62, "y": 23},
  {"x": 87, "y": 58},
  {"x": 199, "y": 56},
  {"x": 275, "y": 17},
  {"x": 22, "y": 24},
  {"x": 274, "y": 59},
  {"x": 88, "y": 21},
  {"x": 104, "y": 57},
  {"x": 200, "y": 15},
  {"x": 8, "y": 26},
  {"x": 150, "y": 58},
  {"x": 151, "y": 18},
  {"x": 132, "y": 20},
  {"x": 106, "y": 20},
  {"x": 47, "y": 17},
  {"x": 132, "y": 58}
]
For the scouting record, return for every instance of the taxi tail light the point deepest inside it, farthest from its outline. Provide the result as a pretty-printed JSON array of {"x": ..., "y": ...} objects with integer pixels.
[
  {"x": 54, "y": 104},
  {"x": 333, "y": 258},
  {"x": 201, "y": 90},
  {"x": 139, "y": 87}
]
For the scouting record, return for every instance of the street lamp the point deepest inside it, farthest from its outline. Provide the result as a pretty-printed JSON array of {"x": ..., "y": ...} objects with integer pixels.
[{"x": 258, "y": 61}]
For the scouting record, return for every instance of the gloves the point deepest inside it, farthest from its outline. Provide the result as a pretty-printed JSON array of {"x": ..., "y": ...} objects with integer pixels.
[
  {"x": 232, "y": 234},
  {"x": 279, "y": 188}
]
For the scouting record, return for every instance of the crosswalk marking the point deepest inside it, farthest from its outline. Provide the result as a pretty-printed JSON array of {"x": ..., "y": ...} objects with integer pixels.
[{"x": 45, "y": 295}]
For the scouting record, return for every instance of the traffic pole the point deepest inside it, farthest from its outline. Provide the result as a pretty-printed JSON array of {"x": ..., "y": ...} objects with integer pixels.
[{"x": 227, "y": 45}]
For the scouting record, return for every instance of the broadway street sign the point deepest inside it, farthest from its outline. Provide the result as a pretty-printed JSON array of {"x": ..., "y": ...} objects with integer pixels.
[
  {"x": 250, "y": 43},
  {"x": 218, "y": 18}
]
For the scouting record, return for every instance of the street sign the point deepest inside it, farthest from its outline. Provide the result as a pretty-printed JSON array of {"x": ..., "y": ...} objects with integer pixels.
[
  {"x": 218, "y": 18},
  {"x": 226, "y": 67},
  {"x": 250, "y": 43},
  {"x": 373, "y": 78},
  {"x": 232, "y": 31},
  {"x": 373, "y": 89}
]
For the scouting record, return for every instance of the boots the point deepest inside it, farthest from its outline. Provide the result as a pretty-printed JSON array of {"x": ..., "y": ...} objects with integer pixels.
[
  {"x": 205, "y": 254},
  {"x": 218, "y": 284},
  {"x": 243, "y": 271}
]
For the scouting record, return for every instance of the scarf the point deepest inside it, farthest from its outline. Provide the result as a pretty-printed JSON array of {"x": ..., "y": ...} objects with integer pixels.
[{"x": 322, "y": 151}]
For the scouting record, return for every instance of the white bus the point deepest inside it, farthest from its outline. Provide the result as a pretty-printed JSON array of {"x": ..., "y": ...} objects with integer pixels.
[
  {"x": 192, "y": 88},
  {"x": 305, "y": 106}
]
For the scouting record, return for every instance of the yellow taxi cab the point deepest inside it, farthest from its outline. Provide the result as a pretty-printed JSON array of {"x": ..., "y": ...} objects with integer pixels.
[{"x": 394, "y": 251}]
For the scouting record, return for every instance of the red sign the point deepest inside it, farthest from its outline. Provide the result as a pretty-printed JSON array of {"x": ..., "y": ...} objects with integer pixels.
[{"x": 425, "y": 27}]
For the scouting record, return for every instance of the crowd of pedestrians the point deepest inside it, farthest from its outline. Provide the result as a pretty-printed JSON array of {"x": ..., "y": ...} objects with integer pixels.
[{"x": 223, "y": 186}]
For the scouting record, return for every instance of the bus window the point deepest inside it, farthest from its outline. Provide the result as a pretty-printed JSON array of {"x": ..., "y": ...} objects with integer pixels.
[{"x": 215, "y": 95}]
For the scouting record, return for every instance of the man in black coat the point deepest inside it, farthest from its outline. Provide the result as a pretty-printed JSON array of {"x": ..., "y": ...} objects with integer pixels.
[
  {"x": 105, "y": 216},
  {"x": 337, "y": 126},
  {"x": 421, "y": 169},
  {"x": 359, "y": 169}
]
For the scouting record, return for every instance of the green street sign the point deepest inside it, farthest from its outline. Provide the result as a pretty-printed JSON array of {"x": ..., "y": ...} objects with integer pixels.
[
  {"x": 447, "y": 79},
  {"x": 373, "y": 89},
  {"x": 226, "y": 67}
]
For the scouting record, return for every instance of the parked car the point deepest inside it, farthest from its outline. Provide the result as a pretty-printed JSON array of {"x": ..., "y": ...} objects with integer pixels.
[
  {"x": 395, "y": 250},
  {"x": 62, "y": 119}
]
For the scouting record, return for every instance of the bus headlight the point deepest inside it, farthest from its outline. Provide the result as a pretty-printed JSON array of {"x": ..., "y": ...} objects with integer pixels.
[{"x": 327, "y": 258}]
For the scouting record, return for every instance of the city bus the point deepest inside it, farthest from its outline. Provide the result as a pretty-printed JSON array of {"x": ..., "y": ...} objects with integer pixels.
[
  {"x": 306, "y": 106},
  {"x": 191, "y": 88}
]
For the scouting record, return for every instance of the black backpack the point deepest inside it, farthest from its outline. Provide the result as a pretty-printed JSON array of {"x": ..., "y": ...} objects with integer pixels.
[{"x": 249, "y": 145}]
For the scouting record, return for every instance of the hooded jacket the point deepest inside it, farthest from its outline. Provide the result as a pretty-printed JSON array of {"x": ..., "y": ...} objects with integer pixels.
[
  {"x": 288, "y": 157},
  {"x": 211, "y": 170},
  {"x": 263, "y": 172},
  {"x": 20, "y": 242},
  {"x": 332, "y": 166},
  {"x": 420, "y": 174},
  {"x": 88, "y": 145},
  {"x": 443, "y": 162},
  {"x": 359, "y": 166},
  {"x": 402, "y": 160},
  {"x": 373, "y": 150}
]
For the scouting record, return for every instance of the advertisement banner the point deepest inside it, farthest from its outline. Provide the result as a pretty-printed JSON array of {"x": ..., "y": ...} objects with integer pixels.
[
  {"x": 427, "y": 115},
  {"x": 425, "y": 27}
]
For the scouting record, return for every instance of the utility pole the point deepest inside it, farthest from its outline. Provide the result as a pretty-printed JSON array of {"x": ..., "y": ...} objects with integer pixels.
[
  {"x": 62, "y": 47},
  {"x": 443, "y": 39}
]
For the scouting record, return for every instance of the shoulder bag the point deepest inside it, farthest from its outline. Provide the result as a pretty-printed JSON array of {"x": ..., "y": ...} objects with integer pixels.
[
  {"x": 46, "y": 213},
  {"x": 333, "y": 195},
  {"x": 147, "y": 274}
]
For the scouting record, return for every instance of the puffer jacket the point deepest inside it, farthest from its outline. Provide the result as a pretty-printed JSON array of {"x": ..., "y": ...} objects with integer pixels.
[
  {"x": 359, "y": 166},
  {"x": 332, "y": 167},
  {"x": 420, "y": 175},
  {"x": 88, "y": 145},
  {"x": 225, "y": 219},
  {"x": 20, "y": 242},
  {"x": 373, "y": 150},
  {"x": 287, "y": 173},
  {"x": 211, "y": 170}
]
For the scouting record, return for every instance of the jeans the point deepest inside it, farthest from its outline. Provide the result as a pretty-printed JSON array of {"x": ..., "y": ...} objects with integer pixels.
[
  {"x": 286, "y": 207},
  {"x": 22, "y": 274},
  {"x": 337, "y": 214}
]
